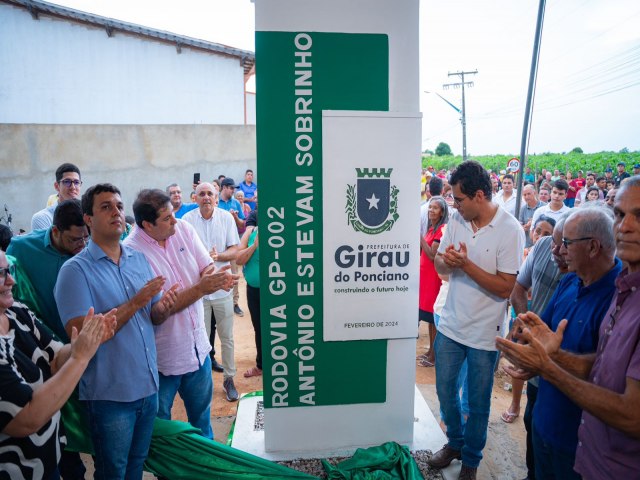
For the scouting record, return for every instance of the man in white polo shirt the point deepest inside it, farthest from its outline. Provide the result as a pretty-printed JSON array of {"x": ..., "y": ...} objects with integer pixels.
[
  {"x": 555, "y": 208},
  {"x": 507, "y": 197},
  {"x": 217, "y": 230},
  {"x": 481, "y": 252}
]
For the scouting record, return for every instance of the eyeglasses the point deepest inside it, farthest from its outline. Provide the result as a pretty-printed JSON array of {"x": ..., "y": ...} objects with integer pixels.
[
  {"x": 67, "y": 182},
  {"x": 4, "y": 272},
  {"x": 459, "y": 201},
  {"x": 76, "y": 240},
  {"x": 566, "y": 242}
]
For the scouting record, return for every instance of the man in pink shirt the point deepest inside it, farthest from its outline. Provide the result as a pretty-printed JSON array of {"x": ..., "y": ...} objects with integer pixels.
[{"x": 174, "y": 250}]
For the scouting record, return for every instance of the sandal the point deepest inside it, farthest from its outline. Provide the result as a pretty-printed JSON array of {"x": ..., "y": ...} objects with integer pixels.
[
  {"x": 426, "y": 363},
  {"x": 253, "y": 372},
  {"x": 509, "y": 417}
]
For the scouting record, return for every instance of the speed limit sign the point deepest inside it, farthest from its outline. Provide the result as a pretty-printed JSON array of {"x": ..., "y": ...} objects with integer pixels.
[{"x": 514, "y": 165}]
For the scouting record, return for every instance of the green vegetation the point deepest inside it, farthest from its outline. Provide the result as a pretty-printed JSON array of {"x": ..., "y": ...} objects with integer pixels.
[
  {"x": 443, "y": 149},
  {"x": 572, "y": 161}
]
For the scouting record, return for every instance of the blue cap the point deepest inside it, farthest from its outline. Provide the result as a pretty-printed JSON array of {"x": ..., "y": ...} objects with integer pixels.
[
  {"x": 622, "y": 163},
  {"x": 608, "y": 170},
  {"x": 637, "y": 165}
]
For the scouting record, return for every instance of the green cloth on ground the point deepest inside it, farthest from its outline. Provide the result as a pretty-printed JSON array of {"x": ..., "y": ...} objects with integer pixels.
[
  {"x": 178, "y": 451},
  {"x": 386, "y": 462}
]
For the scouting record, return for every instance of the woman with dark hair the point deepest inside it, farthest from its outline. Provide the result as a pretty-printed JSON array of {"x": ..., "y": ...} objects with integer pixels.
[
  {"x": 5, "y": 237},
  {"x": 429, "y": 280},
  {"x": 543, "y": 228}
]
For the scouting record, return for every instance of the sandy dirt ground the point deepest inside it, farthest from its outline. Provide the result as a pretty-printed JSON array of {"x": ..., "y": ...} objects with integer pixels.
[{"x": 504, "y": 454}]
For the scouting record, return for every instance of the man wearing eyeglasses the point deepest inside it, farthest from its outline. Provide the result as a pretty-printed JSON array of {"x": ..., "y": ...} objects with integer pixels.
[
  {"x": 579, "y": 304},
  {"x": 68, "y": 184},
  {"x": 481, "y": 252},
  {"x": 605, "y": 383},
  {"x": 40, "y": 255}
]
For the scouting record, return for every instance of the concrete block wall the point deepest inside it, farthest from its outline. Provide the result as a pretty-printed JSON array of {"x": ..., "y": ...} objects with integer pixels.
[{"x": 129, "y": 156}]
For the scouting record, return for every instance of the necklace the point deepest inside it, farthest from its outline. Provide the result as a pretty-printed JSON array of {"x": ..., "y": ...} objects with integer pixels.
[{"x": 473, "y": 224}]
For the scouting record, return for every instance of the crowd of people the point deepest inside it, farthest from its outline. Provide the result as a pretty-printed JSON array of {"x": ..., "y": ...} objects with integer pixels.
[
  {"x": 89, "y": 291},
  {"x": 554, "y": 288},
  {"x": 124, "y": 308}
]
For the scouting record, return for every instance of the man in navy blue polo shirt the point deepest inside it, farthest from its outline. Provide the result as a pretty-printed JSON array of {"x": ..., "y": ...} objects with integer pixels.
[{"x": 582, "y": 297}]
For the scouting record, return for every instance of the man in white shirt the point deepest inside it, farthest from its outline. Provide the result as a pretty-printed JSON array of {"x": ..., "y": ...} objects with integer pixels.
[
  {"x": 217, "y": 230},
  {"x": 68, "y": 184},
  {"x": 481, "y": 252},
  {"x": 556, "y": 207},
  {"x": 506, "y": 197}
]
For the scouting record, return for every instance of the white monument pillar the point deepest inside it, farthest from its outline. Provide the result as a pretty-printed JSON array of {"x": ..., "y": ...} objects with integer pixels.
[{"x": 338, "y": 131}]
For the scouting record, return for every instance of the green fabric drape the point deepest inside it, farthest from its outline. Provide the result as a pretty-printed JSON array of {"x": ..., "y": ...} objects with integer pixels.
[
  {"x": 389, "y": 461},
  {"x": 23, "y": 290},
  {"x": 76, "y": 425},
  {"x": 178, "y": 451}
]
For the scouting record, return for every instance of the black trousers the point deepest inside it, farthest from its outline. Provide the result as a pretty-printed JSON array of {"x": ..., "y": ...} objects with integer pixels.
[
  {"x": 253, "y": 301},
  {"x": 532, "y": 395}
]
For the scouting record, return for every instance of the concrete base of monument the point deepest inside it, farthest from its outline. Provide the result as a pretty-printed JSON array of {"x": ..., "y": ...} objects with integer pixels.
[{"x": 248, "y": 435}]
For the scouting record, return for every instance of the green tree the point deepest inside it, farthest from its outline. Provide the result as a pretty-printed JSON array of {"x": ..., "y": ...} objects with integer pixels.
[
  {"x": 577, "y": 150},
  {"x": 443, "y": 149}
]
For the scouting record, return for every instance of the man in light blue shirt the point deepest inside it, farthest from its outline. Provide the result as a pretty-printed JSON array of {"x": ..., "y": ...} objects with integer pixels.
[
  {"x": 250, "y": 189},
  {"x": 120, "y": 385},
  {"x": 179, "y": 208}
]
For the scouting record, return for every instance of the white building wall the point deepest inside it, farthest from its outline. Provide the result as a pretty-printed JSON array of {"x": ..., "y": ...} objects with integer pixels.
[{"x": 55, "y": 71}]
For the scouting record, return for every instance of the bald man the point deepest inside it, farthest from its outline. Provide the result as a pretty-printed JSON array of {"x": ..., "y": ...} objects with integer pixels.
[{"x": 217, "y": 230}]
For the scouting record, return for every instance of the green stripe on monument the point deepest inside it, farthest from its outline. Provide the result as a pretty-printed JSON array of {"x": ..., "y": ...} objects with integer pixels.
[{"x": 348, "y": 72}]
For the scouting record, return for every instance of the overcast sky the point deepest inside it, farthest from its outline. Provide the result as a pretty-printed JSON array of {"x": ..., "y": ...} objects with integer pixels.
[{"x": 588, "y": 91}]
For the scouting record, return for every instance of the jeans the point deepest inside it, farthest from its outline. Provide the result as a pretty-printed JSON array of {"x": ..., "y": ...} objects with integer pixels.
[
  {"x": 196, "y": 390},
  {"x": 450, "y": 356},
  {"x": 552, "y": 463},
  {"x": 532, "y": 395},
  {"x": 462, "y": 385},
  {"x": 218, "y": 314},
  {"x": 121, "y": 434},
  {"x": 253, "y": 301}
]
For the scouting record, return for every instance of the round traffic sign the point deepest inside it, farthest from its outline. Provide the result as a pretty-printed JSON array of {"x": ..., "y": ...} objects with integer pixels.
[{"x": 514, "y": 165}]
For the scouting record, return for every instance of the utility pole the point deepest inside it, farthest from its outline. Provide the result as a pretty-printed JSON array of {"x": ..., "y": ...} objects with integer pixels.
[
  {"x": 524, "y": 144},
  {"x": 463, "y": 119}
]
